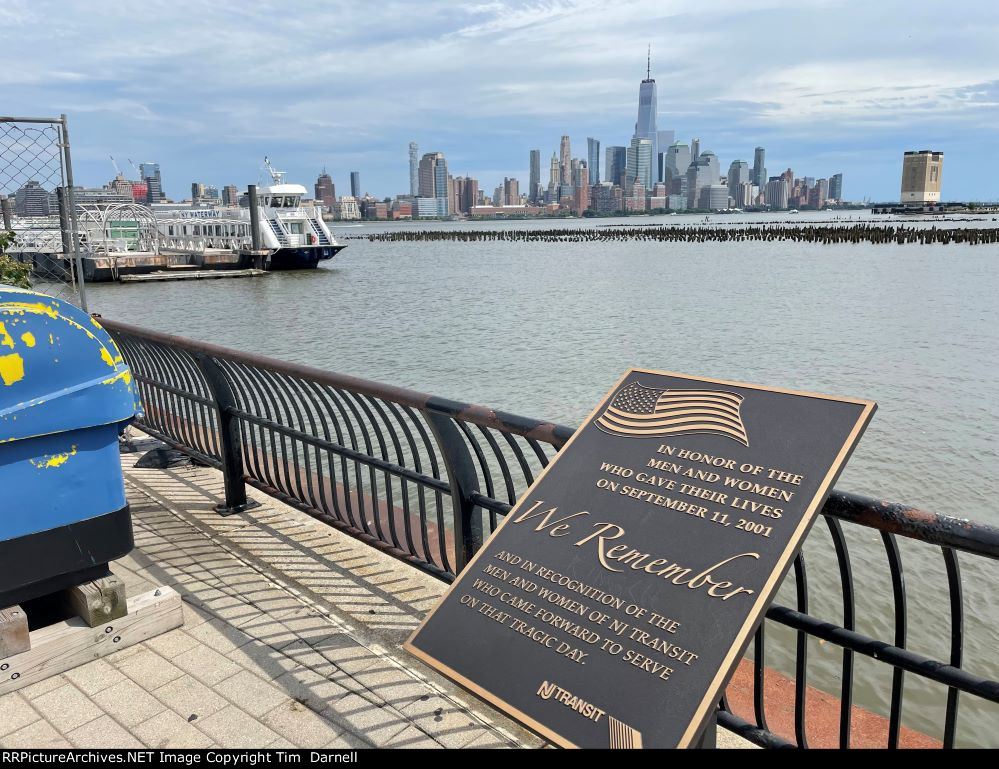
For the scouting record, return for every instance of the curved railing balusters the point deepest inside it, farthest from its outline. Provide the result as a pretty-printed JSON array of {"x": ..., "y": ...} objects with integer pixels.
[{"x": 338, "y": 447}]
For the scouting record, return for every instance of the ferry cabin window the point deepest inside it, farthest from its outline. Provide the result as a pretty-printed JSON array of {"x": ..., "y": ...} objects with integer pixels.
[{"x": 296, "y": 228}]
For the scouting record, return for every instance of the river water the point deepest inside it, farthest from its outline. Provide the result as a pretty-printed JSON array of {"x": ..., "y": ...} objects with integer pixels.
[{"x": 544, "y": 329}]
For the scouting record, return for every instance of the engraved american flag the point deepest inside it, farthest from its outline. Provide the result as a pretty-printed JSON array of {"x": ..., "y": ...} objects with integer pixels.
[{"x": 639, "y": 411}]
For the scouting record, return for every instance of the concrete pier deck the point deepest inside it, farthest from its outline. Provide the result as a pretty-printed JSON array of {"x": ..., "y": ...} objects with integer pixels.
[{"x": 291, "y": 638}]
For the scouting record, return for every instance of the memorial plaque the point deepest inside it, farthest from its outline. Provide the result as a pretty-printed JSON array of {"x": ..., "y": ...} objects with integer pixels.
[{"x": 613, "y": 603}]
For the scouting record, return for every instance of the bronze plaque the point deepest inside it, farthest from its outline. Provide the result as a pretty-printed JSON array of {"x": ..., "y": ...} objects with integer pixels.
[{"x": 614, "y": 602}]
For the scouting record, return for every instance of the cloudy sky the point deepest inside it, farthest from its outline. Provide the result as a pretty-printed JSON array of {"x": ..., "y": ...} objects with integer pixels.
[{"x": 208, "y": 89}]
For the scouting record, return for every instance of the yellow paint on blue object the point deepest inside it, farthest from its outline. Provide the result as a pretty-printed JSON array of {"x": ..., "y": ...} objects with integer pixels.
[
  {"x": 5, "y": 338},
  {"x": 11, "y": 368},
  {"x": 54, "y": 460},
  {"x": 124, "y": 376},
  {"x": 106, "y": 357},
  {"x": 51, "y": 340},
  {"x": 28, "y": 338}
]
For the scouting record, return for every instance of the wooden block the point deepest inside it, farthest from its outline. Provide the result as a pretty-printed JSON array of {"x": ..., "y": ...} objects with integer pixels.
[
  {"x": 13, "y": 632},
  {"x": 66, "y": 645},
  {"x": 98, "y": 602}
]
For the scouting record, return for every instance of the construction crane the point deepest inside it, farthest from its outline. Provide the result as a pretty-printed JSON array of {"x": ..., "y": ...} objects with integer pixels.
[
  {"x": 117, "y": 171},
  {"x": 138, "y": 173}
]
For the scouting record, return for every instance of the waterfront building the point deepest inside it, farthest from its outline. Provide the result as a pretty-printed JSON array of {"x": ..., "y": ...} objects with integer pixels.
[
  {"x": 836, "y": 187},
  {"x": 565, "y": 161},
  {"x": 414, "y": 169},
  {"x": 695, "y": 149},
  {"x": 534, "y": 183},
  {"x": 639, "y": 164},
  {"x": 469, "y": 194},
  {"x": 635, "y": 201},
  {"x": 743, "y": 195},
  {"x": 593, "y": 159},
  {"x": 431, "y": 207},
  {"x": 616, "y": 165},
  {"x": 401, "y": 209},
  {"x": 714, "y": 197},
  {"x": 230, "y": 196},
  {"x": 511, "y": 192},
  {"x": 347, "y": 207},
  {"x": 818, "y": 193},
  {"x": 31, "y": 199},
  {"x": 434, "y": 185},
  {"x": 355, "y": 184},
  {"x": 325, "y": 189},
  {"x": 922, "y": 174},
  {"x": 788, "y": 177},
  {"x": 776, "y": 193},
  {"x": 714, "y": 166},
  {"x": 606, "y": 198},
  {"x": 759, "y": 177},
  {"x": 676, "y": 202},
  {"x": 515, "y": 211}
]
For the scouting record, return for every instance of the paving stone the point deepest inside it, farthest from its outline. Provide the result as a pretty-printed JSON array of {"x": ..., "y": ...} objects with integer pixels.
[
  {"x": 251, "y": 693},
  {"x": 491, "y": 741},
  {"x": 219, "y": 635},
  {"x": 310, "y": 688},
  {"x": 392, "y": 685},
  {"x": 205, "y": 664},
  {"x": 66, "y": 706},
  {"x": 148, "y": 669},
  {"x": 231, "y": 727},
  {"x": 346, "y": 653},
  {"x": 15, "y": 713},
  {"x": 43, "y": 687},
  {"x": 40, "y": 734},
  {"x": 187, "y": 696},
  {"x": 449, "y": 725},
  {"x": 305, "y": 728},
  {"x": 360, "y": 716},
  {"x": 170, "y": 731},
  {"x": 128, "y": 702},
  {"x": 411, "y": 737},
  {"x": 94, "y": 676},
  {"x": 169, "y": 645},
  {"x": 265, "y": 661},
  {"x": 103, "y": 732}
]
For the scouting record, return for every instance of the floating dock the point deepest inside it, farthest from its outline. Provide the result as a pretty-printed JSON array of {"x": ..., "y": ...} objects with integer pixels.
[{"x": 191, "y": 275}]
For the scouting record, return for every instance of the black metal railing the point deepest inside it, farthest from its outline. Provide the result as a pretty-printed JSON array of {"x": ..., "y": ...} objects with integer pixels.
[{"x": 425, "y": 479}]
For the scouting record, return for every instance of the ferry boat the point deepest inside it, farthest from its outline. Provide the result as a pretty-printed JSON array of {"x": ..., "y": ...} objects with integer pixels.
[{"x": 295, "y": 237}]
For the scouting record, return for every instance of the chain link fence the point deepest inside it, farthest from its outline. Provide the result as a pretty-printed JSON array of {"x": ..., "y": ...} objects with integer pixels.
[{"x": 38, "y": 206}]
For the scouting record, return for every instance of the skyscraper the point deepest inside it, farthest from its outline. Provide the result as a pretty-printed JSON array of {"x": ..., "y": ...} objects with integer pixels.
[
  {"x": 775, "y": 193},
  {"x": 677, "y": 162},
  {"x": 554, "y": 179},
  {"x": 325, "y": 190},
  {"x": 922, "y": 173},
  {"x": 760, "y": 168},
  {"x": 355, "y": 184},
  {"x": 534, "y": 188},
  {"x": 150, "y": 173},
  {"x": 230, "y": 195},
  {"x": 414, "y": 169},
  {"x": 695, "y": 149},
  {"x": 738, "y": 174},
  {"x": 593, "y": 160},
  {"x": 434, "y": 183},
  {"x": 617, "y": 162},
  {"x": 639, "y": 163},
  {"x": 565, "y": 161},
  {"x": 836, "y": 187},
  {"x": 648, "y": 109}
]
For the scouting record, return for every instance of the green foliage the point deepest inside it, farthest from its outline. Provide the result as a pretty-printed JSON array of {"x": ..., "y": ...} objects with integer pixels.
[{"x": 12, "y": 272}]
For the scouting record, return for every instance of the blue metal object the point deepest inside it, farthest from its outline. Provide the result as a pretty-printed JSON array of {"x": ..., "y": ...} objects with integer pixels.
[{"x": 65, "y": 396}]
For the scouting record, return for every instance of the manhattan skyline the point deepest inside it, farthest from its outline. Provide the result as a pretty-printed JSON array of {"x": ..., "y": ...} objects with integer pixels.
[{"x": 348, "y": 88}]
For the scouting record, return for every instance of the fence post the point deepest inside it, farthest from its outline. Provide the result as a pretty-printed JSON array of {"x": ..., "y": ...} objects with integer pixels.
[
  {"x": 77, "y": 262},
  {"x": 232, "y": 451},
  {"x": 5, "y": 207},
  {"x": 464, "y": 483}
]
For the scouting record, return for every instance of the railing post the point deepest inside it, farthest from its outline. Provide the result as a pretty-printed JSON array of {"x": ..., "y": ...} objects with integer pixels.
[
  {"x": 232, "y": 451},
  {"x": 464, "y": 483}
]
